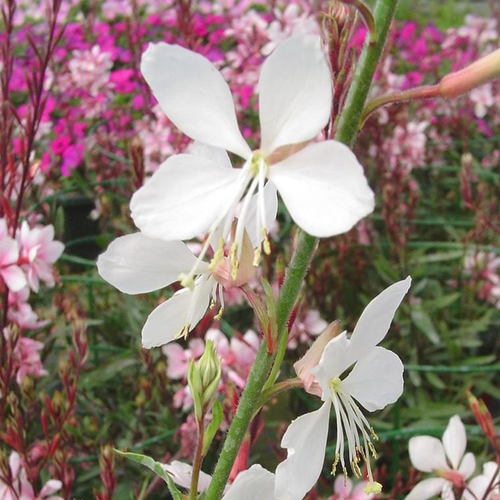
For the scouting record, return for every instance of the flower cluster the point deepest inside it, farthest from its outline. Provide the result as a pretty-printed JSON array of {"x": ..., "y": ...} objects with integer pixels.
[{"x": 483, "y": 270}]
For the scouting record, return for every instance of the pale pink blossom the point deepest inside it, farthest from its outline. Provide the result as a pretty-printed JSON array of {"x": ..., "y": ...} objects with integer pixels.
[
  {"x": 90, "y": 69},
  {"x": 10, "y": 273},
  {"x": 406, "y": 148},
  {"x": 344, "y": 489},
  {"x": 21, "y": 313},
  {"x": 22, "y": 489},
  {"x": 484, "y": 268},
  {"x": 179, "y": 358},
  {"x": 483, "y": 99},
  {"x": 39, "y": 251},
  {"x": 26, "y": 358}
]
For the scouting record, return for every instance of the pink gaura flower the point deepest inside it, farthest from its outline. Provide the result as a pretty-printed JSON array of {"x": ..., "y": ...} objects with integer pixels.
[
  {"x": 10, "y": 273},
  {"x": 38, "y": 252},
  {"x": 179, "y": 358},
  {"x": 21, "y": 488}
]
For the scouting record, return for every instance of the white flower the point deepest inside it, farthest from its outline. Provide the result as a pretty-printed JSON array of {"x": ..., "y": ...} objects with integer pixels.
[
  {"x": 322, "y": 184},
  {"x": 375, "y": 380},
  {"x": 429, "y": 454},
  {"x": 477, "y": 487},
  {"x": 253, "y": 483},
  {"x": 138, "y": 264}
]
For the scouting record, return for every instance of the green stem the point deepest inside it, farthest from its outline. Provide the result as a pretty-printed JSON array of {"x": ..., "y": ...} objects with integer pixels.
[{"x": 346, "y": 133}]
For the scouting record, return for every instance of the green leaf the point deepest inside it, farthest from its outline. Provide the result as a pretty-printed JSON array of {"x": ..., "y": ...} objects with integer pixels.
[
  {"x": 156, "y": 467},
  {"x": 424, "y": 323},
  {"x": 212, "y": 427}
]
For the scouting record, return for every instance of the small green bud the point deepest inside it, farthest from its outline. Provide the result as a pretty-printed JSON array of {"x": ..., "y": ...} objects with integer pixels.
[{"x": 203, "y": 379}]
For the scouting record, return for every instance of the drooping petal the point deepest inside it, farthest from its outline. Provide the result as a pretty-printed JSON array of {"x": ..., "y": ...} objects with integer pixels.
[
  {"x": 50, "y": 487},
  {"x": 427, "y": 488},
  {"x": 183, "y": 310},
  {"x": 427, "y": 454},
  {"x": 14, "y": 278},
  {"x": 253, "y": 229},
  {"x": 376, "y": 319},
  {"x": 253, "y": 483},
  {"x": 138, "y": 264},
  {"x": 468, "y": 465},
  {"x": 455, "y": 441},
  {"x": 183, "y": 197},
  {"x": 193, "y": 94},
  {"x": 295, "y": 93},
  {"x": 305, "y": 439},
  {"x": 181, "y": 474},
  {"x": 9, "y": 251},
  {"x": 376, "y": 379},
  {"x": 217, "y": 155},
  {"x": 477, "y": 488},
  {"x": 324, "y": 188}
]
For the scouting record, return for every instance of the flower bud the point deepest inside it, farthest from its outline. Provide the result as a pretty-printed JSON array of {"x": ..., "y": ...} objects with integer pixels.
[{"x": 203, "y": 379}]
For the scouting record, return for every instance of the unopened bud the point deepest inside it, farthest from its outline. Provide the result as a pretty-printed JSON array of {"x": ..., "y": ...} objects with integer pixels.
[
  {"x": 478, "y": 73},
  {"x": 203, "y": 379}
]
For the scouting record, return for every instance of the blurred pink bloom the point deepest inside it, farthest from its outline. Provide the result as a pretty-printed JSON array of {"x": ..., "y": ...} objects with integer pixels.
[
  {"x": 344, "y": 489},
  {"x": 179, "y": 358},
  {"x": 21, "y": 313},
  {"x": 406, "y": 147},
  {"x": 22, "y": 488},
  {"x": 38, "y": 252},
  {"x": 90, "y": 69},
  {"x": 484, "y": 268},
  {"x": 483, "y": 98}
]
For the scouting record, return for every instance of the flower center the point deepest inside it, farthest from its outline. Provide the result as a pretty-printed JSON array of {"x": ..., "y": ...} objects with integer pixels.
[{"x": 353, "y": 426}]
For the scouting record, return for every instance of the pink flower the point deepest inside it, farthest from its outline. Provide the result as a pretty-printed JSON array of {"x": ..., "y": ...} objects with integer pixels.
[
  {"x": 22, "y": 489},
  {"x": 90, "y": 69},
  {"x": 179, "y": 358},
  {"x": 21, "y": 313},
  {"x": 10, "y": 272},
  {"x": 38, "y": 252},
  {"x": 483, "y": 98},
  {"x": 345, "y": 490}
]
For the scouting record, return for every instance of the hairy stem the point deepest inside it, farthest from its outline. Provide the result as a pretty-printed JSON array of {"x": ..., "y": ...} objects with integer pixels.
[
  {"x": 198, "y": 458},
  {"x": 346, "y": 133}
]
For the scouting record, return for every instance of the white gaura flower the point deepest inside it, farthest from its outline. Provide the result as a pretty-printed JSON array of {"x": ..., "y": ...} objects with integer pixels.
[
  {"x": 445, "y": 459},
  {"x": 350, "y": 371},
  {"x": 478, "y": 486},
  {"x": 253, "y": 483},
  {"x": 138, "y": 264},
  {"x": 322, "y": 184}
]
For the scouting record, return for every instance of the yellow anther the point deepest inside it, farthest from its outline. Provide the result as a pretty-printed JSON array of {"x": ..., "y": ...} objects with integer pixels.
[
  {"x": 212, "y": 303},
  {"x": 257, "y": 162},
  {"x": 335, "y": 463},
  {"x": 344, "y": 471},
  {"x": 234, "y": 260},
  {"x": 373, "y": 488},
  {"x": 256, "y": 257},
  {"x": 218, "y": 255},
  {"x": 186, "y": 280},
  {"x": 373, "y": 451},
  {"x": 183, "y": 332},
  {"x": 219, "y": 314},
  {"x": 355, "y": 469},
  {"x": 374, "y": 435},
  {"x": 361, "y": 451},
  {"x": 267, "y": 244}
]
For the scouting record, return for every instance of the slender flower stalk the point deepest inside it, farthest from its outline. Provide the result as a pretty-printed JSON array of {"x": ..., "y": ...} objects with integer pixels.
[{"x": 346, "y": 133}]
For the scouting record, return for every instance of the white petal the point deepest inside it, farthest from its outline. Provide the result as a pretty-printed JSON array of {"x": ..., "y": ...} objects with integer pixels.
[
  {"x": 427, "y": 488},
  {"x": 336, "y": 358},
  {"x": 271, "y": 209},
  {"x": 217, "y": 155},
  {"x": 138, "y": 264},
  {"x": 455, "y": 441},
  {"x": 181, "y": 474},
  {"x": 376, "y": 319},
  {"x": 168, "y": 319},
  {"x": 295, "y": 93},
  {"x": 193, "y": 94},
  {"x": 467, "y": 465},
  {"x": 251, "y": 484},
  {"x": 305, "y": 439},
  {"x": 376, "y": 379},
  {"x": 324, "y": 188},
  {"x": 478, "y": 487},
  {"x": 427, "y": 454},
  {"x": 183, "y": 197}
]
